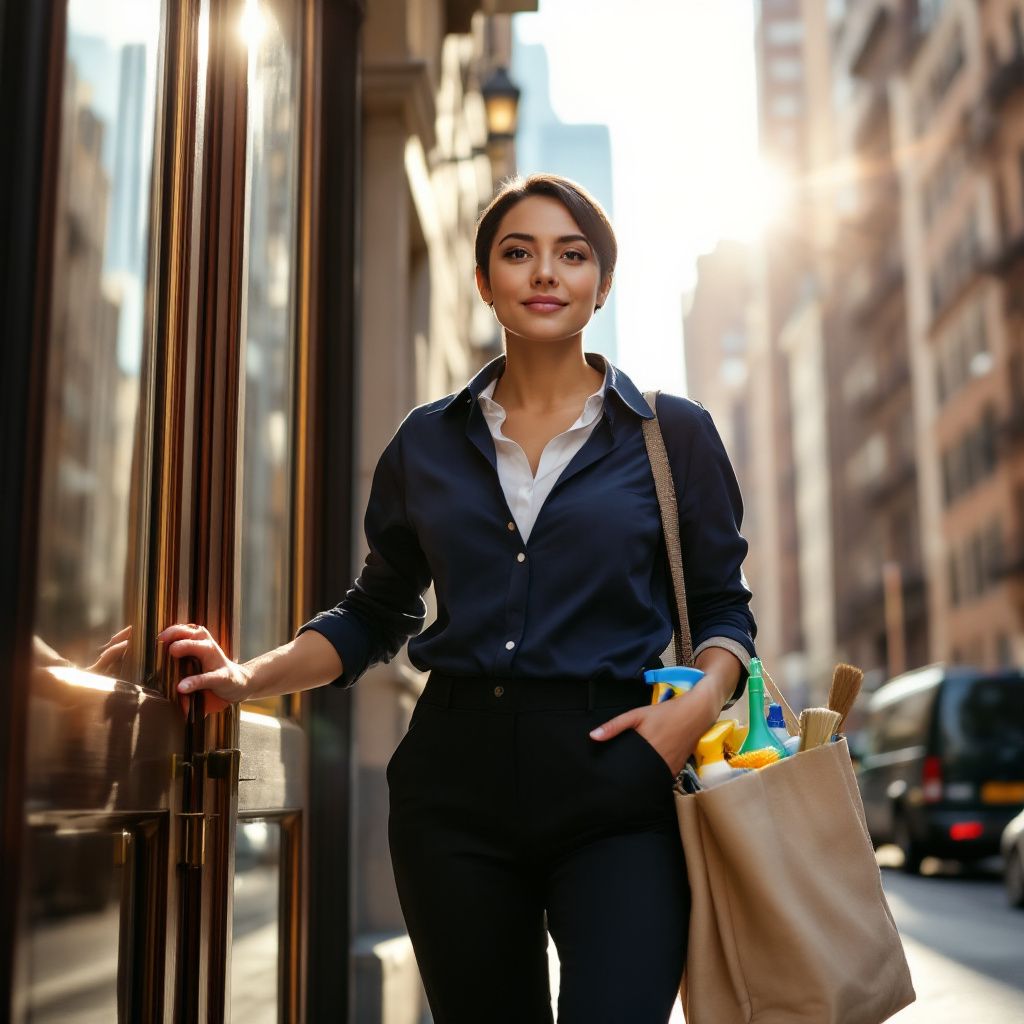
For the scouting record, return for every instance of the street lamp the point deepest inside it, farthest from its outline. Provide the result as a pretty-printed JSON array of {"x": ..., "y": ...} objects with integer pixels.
[{"x": 501, "y": 100}]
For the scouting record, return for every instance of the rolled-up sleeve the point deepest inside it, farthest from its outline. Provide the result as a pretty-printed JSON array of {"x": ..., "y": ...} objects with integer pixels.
[
  {"x": 385, "y": 606},
  {"x": 710, "y": 517}
]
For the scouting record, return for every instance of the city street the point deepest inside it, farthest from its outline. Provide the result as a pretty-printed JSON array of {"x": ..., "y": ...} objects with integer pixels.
[{"x": 964, "y": 943}]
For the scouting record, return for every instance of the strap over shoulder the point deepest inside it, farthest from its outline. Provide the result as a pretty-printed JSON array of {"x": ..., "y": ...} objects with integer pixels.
[{"x": 665, "y": 488}]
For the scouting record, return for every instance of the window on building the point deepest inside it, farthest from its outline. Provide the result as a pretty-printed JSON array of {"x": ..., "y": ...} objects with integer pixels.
[
  {"x": 782, "y": 32},
  {"x": 786, "y": 105},
  {"x": 785, "y": 69},
  {"x": 1004, "y": 651},
  {"x": 977, "y": 555},
  {"x": 988, "y": 438},
  {"x": 1020, "y": 161},
  {"x": 995, "y": 554}
]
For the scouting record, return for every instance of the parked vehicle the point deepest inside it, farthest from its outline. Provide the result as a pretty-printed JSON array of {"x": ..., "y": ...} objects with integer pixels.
[
  {"x": 943, "y": 762},
  {"x": 1012, "y": 848}
]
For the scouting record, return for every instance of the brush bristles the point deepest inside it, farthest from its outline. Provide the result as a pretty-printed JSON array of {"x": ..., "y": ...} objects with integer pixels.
[
  {"x": 846, "y": 683},
  {"x": 817, "y": 726}
]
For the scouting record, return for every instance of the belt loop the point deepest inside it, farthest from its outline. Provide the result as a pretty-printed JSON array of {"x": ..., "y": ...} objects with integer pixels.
[{"x": 591, "y": 694}]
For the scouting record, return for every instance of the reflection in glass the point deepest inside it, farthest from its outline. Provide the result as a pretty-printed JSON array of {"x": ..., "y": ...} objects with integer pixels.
[
  {"x": 255, "y": 929},
  {"x": 80, "y": 922},
  {"x": 271, "y": 31},
  {"x": 91, "y": 541}
]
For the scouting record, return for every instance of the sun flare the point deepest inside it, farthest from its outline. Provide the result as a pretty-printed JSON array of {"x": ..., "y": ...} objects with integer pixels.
[{"x": 753, "y": 199}]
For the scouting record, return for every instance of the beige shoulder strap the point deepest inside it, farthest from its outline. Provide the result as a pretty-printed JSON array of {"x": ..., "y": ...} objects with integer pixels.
[
  {"x": 666, "y": 490},
  {"x": 665, "y": 487}
]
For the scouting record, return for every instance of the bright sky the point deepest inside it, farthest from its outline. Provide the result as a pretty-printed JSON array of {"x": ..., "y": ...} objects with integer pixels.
[{"x": 675, "y": 81}]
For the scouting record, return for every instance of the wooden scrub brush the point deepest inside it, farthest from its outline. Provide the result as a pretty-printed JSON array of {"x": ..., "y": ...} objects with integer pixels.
[
  {"x": 817, "y": 726},
  {"x": 846, "y": 682}
]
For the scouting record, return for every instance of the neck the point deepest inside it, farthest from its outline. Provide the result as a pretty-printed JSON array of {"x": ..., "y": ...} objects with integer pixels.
[{"x": 545, "y": 378}]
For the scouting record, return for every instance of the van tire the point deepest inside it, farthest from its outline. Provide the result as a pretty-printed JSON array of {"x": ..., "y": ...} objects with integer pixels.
[
  {"x": 912, "y": 852},
  {"x": 1014, "y": 877}
]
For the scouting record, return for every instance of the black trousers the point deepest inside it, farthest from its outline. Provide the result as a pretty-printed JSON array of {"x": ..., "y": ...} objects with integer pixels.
[{"x": 507, "y": 821}]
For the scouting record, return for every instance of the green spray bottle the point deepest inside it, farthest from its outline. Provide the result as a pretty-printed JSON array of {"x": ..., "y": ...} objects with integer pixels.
[{"x": 759, "y": 735}]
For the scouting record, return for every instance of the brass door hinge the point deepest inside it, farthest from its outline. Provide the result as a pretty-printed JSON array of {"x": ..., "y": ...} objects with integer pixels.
[{"x": 192, "y": 848}]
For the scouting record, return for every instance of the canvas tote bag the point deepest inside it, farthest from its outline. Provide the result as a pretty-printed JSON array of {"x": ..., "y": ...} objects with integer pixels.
[{"x": 789, "y": 924}]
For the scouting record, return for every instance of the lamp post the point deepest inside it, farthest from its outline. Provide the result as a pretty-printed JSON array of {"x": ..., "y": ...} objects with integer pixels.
[{"x": 501, "y": 101}]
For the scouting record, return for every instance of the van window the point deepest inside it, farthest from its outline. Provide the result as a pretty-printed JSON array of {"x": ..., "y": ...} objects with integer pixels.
[
  {"x": 903, "y": 723},
  {"x": 983, "y": 716}
]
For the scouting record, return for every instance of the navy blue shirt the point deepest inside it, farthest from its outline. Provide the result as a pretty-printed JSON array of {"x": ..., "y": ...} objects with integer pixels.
[{"x": 592, "y": 597}]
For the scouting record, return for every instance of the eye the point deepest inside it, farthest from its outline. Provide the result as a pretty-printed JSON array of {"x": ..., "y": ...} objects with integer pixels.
[
  {"x": 514, "y": 250},
  {"x": 575, "y": 252}
]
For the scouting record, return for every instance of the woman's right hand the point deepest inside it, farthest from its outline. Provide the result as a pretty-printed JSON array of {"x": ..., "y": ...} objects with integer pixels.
[{"x": 224, "y": 680}]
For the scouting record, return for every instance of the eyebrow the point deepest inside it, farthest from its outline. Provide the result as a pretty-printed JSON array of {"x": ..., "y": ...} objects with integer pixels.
[{"x": 531, "y": 238}]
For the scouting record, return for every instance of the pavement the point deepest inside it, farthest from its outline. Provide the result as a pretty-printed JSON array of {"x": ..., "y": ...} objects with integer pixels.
[{"x": 964, "y": 944}]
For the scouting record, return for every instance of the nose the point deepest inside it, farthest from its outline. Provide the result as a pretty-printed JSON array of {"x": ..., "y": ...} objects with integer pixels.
[{"x": 545, "y": 270}]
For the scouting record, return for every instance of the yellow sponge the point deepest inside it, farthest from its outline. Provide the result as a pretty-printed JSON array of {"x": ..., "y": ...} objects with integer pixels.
[{"x": 755, "y": 758}]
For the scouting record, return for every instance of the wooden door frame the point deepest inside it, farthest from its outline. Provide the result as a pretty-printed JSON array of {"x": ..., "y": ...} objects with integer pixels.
[{"x": 324, "y": 522}]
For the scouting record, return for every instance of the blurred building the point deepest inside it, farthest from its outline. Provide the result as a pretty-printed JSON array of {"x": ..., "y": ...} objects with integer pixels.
[
  {"x": 582, "y": 152},
  {"x": 783, "y": 41},
  {"x": 884, "y": 339},
  {"x": 960, "y": 135},
  {"x": 882, "y": 622}
]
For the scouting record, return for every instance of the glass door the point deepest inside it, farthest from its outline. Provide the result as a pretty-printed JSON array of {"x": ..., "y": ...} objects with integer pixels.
[
  {"x": 102, "y": 736},
  {"x": 162, "y": 852}
]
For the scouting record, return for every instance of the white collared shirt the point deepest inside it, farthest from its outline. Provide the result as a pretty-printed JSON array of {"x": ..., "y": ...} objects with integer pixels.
[{"x": 524, "y": 492}]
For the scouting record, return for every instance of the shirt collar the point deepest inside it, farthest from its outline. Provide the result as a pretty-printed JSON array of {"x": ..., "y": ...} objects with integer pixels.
[{"x": 615, "y": 382}]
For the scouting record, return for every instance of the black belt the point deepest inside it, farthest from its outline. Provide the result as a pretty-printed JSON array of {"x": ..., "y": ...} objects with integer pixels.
[{"x": 495, "y": 693}]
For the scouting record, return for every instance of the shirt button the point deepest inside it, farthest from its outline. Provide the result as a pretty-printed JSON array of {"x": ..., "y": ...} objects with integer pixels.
[
  {"x": 512, "y": 526},
  {"x": 510, "y": 645},
  {"x": 520, "y": 557}
]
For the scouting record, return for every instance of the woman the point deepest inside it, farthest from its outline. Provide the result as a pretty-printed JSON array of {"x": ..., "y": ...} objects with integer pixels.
[{"x": 532, "y": 791}]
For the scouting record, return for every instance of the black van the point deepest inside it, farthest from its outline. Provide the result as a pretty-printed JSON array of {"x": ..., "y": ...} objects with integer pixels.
[{"x": 942, "y": 769}]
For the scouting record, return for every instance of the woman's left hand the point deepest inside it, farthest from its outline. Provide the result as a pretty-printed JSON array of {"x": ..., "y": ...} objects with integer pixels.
[{"x": 673, "y": 727}]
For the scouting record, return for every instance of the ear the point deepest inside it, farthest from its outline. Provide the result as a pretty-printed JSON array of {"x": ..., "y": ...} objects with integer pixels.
[
  {"x": 602, "y": 292},
  {"x": 483, "y": 287}
]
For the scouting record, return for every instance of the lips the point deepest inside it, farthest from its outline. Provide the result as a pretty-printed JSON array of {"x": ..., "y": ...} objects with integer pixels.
[{"x": 545, "y": 304}]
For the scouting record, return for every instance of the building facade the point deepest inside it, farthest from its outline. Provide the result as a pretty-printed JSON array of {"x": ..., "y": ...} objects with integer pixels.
[{"x": 960, "y": 132}]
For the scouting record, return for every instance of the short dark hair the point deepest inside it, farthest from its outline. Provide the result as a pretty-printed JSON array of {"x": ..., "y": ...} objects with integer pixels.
[{"x": 582, "y": 206}]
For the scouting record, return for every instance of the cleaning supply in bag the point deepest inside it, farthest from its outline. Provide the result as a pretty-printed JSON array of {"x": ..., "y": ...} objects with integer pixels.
[
  {"x": 759, "y": 736},
  {"x": 755, "y": 759},
  {"x": 671, "y": 681},
  {"x": 817, "y": 727},
  {"x": 721, "y": 741},
  {"x": 846, "y": 683},
  {"x": 777, "y": 723}
]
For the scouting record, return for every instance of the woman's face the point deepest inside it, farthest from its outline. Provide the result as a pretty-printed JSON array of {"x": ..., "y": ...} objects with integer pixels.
[{"x": 539, "y": 251}]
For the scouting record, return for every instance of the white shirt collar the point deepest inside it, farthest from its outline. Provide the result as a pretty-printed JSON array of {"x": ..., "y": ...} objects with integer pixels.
[{"x": 494, "y": 412}]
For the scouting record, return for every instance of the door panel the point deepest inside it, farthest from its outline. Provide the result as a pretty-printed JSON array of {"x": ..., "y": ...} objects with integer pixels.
[
  {"x": 93, "y": 915},
  {"x": 167, "y": 494},
  {"x": 268, "y": 317},
  {"x": 266, "y": 894},
  {"x": 94, "y": 910},
  {"x": 93, "y": 509}
]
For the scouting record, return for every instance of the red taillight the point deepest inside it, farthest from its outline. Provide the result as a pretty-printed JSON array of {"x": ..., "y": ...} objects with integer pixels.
[
  {"x": 931, "y": 780},
  {"x": 966, "y": 830}
]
